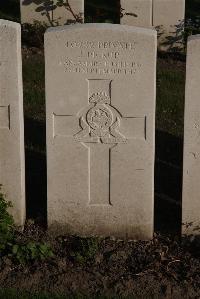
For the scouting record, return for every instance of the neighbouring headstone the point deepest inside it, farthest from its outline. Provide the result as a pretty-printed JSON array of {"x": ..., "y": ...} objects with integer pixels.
[
  {"x": 191, "y": 162},
  {"x": 52, "y": 13},
  {"x": 100, "y": 97},
  {"x": 166, "y": 16},
  {"x": 136, "y": 13},
  {"x": 168, "y": 19},
  {"x": 11, "y": 119}
]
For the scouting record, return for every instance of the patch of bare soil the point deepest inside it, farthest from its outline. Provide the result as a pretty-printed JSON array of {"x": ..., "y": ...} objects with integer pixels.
[{"x": 162, "y": 268}]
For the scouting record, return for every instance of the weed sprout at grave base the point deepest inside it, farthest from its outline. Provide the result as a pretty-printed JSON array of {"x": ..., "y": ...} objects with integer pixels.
[
  {"x": 6, "y": 224},
  {"x": 19, "y": 252}
]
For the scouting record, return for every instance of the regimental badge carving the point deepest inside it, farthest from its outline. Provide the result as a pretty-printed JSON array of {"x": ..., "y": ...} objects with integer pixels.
[{"x": 100, "y": 121}]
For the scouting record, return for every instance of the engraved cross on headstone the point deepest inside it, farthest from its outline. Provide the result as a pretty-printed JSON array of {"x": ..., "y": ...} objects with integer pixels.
[
  {"x": 101, "y": 127},
  {"x": 4, "y": 109}
]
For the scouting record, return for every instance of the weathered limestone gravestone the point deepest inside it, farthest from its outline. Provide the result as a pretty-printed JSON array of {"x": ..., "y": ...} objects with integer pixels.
[
  {"x": 100, "y": 95},
  {"x": 137, "y": 13},
  {"x": 51, "y": 13},
  {"x": 191, "y": 164},
  {"x": 11, "y": 119},
  {"x": 168, "y": 19},
  {"x": 167, "y": 16}
]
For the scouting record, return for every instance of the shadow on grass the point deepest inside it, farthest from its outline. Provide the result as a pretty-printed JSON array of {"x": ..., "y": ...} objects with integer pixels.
[
  {"x": 168, "y": 177},
  {"x": 36, "y": 173},
  {"x": 168, "y": 183}
]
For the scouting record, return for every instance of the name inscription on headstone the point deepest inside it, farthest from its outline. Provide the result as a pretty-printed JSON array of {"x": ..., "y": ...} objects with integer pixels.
[{"x": 109, "y": 60}]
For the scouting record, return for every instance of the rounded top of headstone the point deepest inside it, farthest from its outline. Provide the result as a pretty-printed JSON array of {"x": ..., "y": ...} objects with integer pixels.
[
  {"x": 11, "y": 24},
  {"x": 193, "y": 37},
  {"x": 103, "y": 26}
]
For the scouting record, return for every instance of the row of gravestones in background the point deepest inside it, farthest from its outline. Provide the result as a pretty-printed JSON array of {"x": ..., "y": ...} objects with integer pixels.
[
  {"x": 167, "y": 16},
  {"x": 100, "y": 118}
]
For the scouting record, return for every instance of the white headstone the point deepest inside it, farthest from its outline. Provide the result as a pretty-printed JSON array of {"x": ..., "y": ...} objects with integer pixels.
[
  {"x": 50, "y": 13},
  {"x": 168, "y": 19},
  {"x": 100, "y": 95},
  {"x": 137, "y": 13},
  {"x": 191, "y": 162},
  {"x": 11, "y": 119},
  {"x": 167, "y": 16}
]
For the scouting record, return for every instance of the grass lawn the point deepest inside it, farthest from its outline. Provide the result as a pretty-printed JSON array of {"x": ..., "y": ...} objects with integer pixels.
[
  {"x": 170, "y": 96},
  {"x": 34, "y": 89}
]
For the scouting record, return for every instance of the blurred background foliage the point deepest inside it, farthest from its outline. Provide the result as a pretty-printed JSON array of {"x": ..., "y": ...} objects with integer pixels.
[
  {"x": 192, "y": 23},
  {"x": 103, "y": 11},
  {"x": 96, "y": 11}
]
